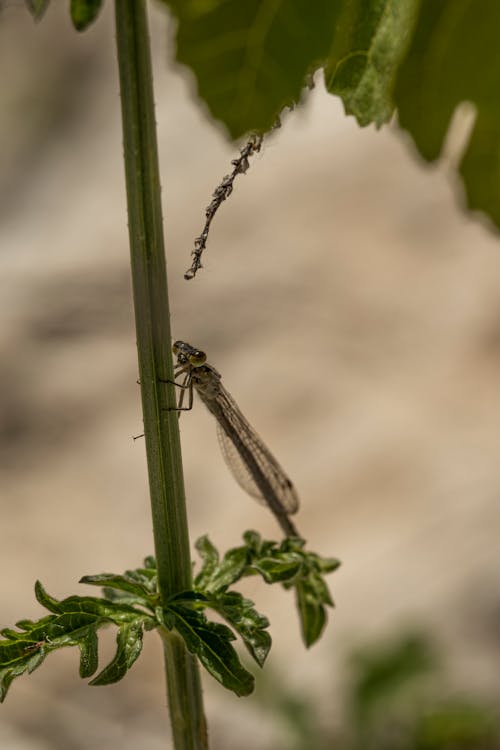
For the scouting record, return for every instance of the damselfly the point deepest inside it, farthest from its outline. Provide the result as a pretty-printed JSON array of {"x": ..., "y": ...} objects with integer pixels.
[{"x": 251, "y": 463}]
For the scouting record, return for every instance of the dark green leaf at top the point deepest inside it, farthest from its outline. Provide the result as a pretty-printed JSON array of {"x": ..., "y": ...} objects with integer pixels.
[
  {"x": 84, "y": 12},
  {"x": 251, "y": 58},
  {"x": 454, "y": 57},
  {"x": 370, "y": 39}
]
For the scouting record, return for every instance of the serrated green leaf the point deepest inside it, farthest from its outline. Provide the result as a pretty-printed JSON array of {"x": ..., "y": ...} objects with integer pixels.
[
  {"x": 231, "y": 568},
  {"x": 17, "y": 658},
  {"x": 327, "y": 564},
  {"x": 88, "y": 653},
  {"x": 227, "y": 571},
  {"x": 129, "y": 646},
  {"x": 11, "y": 634},
  {"x": 45, "y": 599},
  {"x": 31, "y": 625},
  {"x": 122, "y": 598},
  {"x": 248, "y": 623},
  {"x": 276, "y": 570},
  {"x": 12, "y": 651},
  {"x": 141, "y": 588},
  {"x": 84, "y": 12},
  {"x": 76, "y": 611},
  {"x": 92, "y": 606},
  {"x": 6, "y": 679},
  {"x": 312, "y": 594},
  {"x": 209, "y": 557},
  {"x": 292, "y": 544},
  {"x": 370, "y": 39},
  {"x": 22, "y": 625},
  {"x": 37, "y": 8},
  {"x": 320, "y": 589},
  {"x": 236, "y": 610},
  {"x": 145, "y": 578},
  {"x": 454, "y": 57},
  {"x": 312, "y": 613},
  {"x": 210, "y": 641},
  {"x": 36, "y": 659},
  {"x": 251, "y": 58},
  {"x": 74, "y": 622},
  {"x": 253, "y": 540}
]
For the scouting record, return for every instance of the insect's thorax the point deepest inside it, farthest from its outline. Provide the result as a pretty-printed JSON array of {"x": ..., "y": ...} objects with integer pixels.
[{"x": 206, "y": 380}]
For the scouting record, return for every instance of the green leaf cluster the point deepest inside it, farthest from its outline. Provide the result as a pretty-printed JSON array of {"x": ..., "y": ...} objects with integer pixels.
[
  {"x": 131, "y": 603},
  {"x": 368, "y": 44},
  {"x": 74, "y": 622},
  {"x": 454, "y": 57},
  {"x": 287, "y": 563}
]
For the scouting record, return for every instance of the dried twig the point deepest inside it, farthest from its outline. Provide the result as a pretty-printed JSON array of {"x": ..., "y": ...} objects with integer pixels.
[{"x": 219, "y": 195}]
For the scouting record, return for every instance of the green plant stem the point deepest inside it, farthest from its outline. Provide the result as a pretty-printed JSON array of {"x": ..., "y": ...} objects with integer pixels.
[{"x": 155, "y": 362}]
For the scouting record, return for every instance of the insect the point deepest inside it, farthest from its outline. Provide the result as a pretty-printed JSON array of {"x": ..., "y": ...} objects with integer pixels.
[{"x": 250, "y": 461}]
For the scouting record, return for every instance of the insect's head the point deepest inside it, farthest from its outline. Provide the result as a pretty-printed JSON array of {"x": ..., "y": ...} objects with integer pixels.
[{"x": 187, "y": 354}]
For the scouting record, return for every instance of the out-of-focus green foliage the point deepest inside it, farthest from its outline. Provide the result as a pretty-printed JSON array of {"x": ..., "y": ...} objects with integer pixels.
[
  {"x": 396, "y": 699},
  {"x": 252, "y": 58},
  {"x": 368, "y": 44},
  {"x": 454, "y": 57}
]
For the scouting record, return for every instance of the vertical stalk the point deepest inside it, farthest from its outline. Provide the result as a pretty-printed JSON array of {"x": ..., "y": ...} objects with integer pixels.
[{"x": 155, "y": 362}]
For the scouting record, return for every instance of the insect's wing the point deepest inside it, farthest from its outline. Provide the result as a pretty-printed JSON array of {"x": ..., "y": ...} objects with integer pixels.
[
  {"x": 275, "y": 476},
  {"x": 236, "y": 465}
]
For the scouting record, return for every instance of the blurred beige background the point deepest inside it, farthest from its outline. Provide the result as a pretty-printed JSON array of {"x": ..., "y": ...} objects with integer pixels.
[{"x": 354, "y": 312}]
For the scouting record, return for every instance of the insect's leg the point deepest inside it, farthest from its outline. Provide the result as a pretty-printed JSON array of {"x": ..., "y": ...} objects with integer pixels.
[
  {"x": 179, "y": 371},
  {"x": 174, "y": 382},
  {"x": 186, "y": 385}
]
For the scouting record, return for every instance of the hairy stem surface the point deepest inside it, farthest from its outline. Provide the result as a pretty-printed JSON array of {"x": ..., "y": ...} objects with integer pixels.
[{"x": 150, "y": 292}]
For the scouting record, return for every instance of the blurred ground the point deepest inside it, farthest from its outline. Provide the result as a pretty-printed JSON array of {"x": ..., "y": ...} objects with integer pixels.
[{"x": 354, "y": 312}]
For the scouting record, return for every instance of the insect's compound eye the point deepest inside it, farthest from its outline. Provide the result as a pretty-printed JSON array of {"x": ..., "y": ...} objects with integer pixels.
[
  {"x": 176, "y": 347},
  {"x": 197, "y": 357}
]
